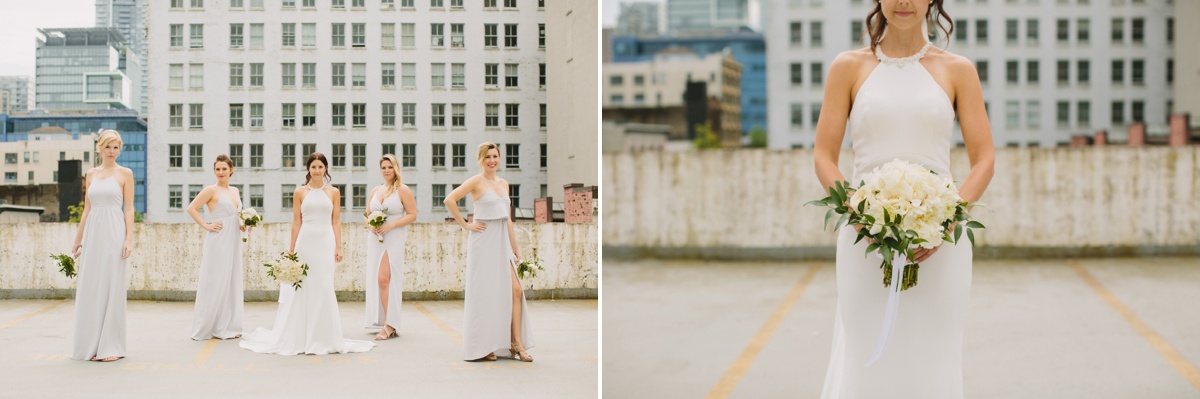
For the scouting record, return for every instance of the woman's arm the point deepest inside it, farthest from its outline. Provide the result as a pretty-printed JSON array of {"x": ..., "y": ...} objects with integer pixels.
[
  {"x": 127, "y": 197},
  {"x": 87, "y": 209},
  {"x": 410, "y": 209},
  {"x": 193, "y": 208},
  {"x": 831, "y": 126},
  {"x": 451, "y": 203},
  {"x": 336, "y": 220},
  {"x": 512, "y": 235},
  {"x": 297, "y": 199},
  {"x": 976, "y": 130}
]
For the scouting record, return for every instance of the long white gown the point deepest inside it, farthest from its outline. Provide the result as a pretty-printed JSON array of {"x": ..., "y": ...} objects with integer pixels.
[
  {"x": 308, "y": 320},
  {"x": 487, "y": 323},
  {"x": 393, "y": 245},
  {"x": 219, "y": 305},
  {"x": 899, "y": 112},
  {"x": 100, "y": 295}
]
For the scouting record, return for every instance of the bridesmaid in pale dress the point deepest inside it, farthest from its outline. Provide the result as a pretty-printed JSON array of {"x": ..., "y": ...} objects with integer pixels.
[
  {"x": 103, "y": 243},
  {"x": 494, "y": 299},
  {"x": 386, "y": 259},
  {"x": 218, "y": 311}
]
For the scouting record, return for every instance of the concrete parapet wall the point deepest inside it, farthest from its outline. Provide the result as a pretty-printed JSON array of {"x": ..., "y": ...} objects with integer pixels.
[
  {"x": 166, "y": 260},
  {"x": 1041, "y": 202}
]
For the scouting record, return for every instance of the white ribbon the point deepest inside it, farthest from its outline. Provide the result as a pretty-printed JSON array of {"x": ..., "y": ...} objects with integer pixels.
[{"x": 893, "y": 306}]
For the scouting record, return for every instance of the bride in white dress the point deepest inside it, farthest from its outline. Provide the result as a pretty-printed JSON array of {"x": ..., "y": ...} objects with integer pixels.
[
  {"x": 308, "y": 320},
  {"x": 899, "y": 98}
]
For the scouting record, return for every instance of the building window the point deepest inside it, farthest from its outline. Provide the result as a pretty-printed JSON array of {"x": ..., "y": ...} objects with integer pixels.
[
  {"x": 542, "y": 77},
  {"x": 309, "y": 76},
  {"x": 409, "y": 157},
  {"x": 541, "y": 35},
  {"x": 1118, "y": 30},
  {"x": 408, "y": 35},
  {"x": 491, "y": 74},
  {"x": 309, "y": 115},
  {"x": 438, "y": 115},
  {"x": 359, "y": 159},
  {"x": 358, "y": 72},
  {"x": 176, "y": 4},
  {"x": 235, "y": 75},
  {"x": 338, "y": 75},
  {"x": 436, "y": 38},
  {"x": 289, "y": 115},
  {"x": 491, "y": 115},
  {"x": 462, "y": 202},
  {"x": 256, "y": 75},
  {"x": 1032, "y": 71},
  {"x": 196, "y": 116},
  {"x": 176, "y": 76},
  {"x": 196, "y": 76},
  {"x": 1010, "y": 30},
  {"x": 1170, "y": 30},
  {"x": 981, "y": 31},
  {"x": 235, "y": 35},
  {"x": 1063, "y": 113},
  {"x": 510, "y": 75},
  {"x": 544, "y": 158},
  {"x": 542, "y": 123},
  {"x": 176, "y": 35},
  {"x": 236, "y": 155},
  {"x": 338, "y": 160},
  {"x": 256, "y": 115},
  {"x": 981, "y": 68},
  {"x": 286, "y": 198},
  {"x": 510, "y": 3},
  {"x": 387, "y": 35},
  {"x": 815, "y": 36},
  {"x": 1010, "y": 71},
  {"x": 1063, "y": 71},
  {"x": 408, "y": 75},
  {"x": 359, "y": 115},
  {"x": 1139, "y": 72},
  {"x": 339, "y": 115},
  {"x": 1118, "y": 112},
  {"x": 856, "y": 32},
  {"x": 489, "y": 35},
  {"x": 511, "y": 114},
  {"x": 797, "y": 114},
  {"x": 289, "y": 35},
  {"x": 437, "y": 75},
  {"x": 514, "y": 195},
  {"x": 1139, "y": 111},
  {"x": 1012, "y": 113},
  {"x": 1082, "y": 30},
  {"x": 359, "y": 196},
  {"x": 458, "y": 156},
  {"x": 388, "y": 74},
  {"x": 235, "y": 116},
  {"x": 436, "y": 3},
  {"x": 439, "y": 195},
  {"x": 408, "y": 114},
  {"x": 458, "y": 75},
  {"x": 457, "y": 36},
  {"x": 256, "y": 196},
  {"x": 512, "y": 156},
  {"x": 1084, "y": 113},
  {"x": 388, "y": 148},
  {"x": 960, "y": 30},
  {"x": 510, "y": 35},
  {"x": 1170, "y": 71},
  {"x": 176, "y": 155},
  {"x": 1137, "y": 33},
  {"x": 816, "y": 113},
  {"x": 288, "y": 72},
  {"x": 818, "y": 74},
  {"x": 1118, "y": 71},
  {"x": 256, "y": 35},
  {"x": 388, "y": 112},
  {"x": 288, "y": 159},
  {"x": 438, "y": 158},
  {"x": 338, "y": 35},
  {"x": 358, "y": 35},
  {"x": 1033, "y": 113},
  {"x": 175, "y": 196},
  {"x": 256, "y": 158},
  {"x": 1064, "y": 30},
  {"x": 458, "y": 115},
  {"x": 196, "y": 155},
  {"x": 1084, "y": 73},
  {"x": 1031, "y": 30},
  {"x": 309, "y": 35}
]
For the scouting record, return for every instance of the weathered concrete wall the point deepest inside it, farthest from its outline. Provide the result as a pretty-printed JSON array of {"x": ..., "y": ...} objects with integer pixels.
[
  {"x": 1041, "y": 202},
  {"x": 166, "y": 260}
]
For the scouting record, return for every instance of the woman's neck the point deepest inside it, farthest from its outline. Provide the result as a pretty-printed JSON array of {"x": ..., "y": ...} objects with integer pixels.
[
  {"x": 903, "y": 43},
  {"x": 106, "y": 164},
  {"x": 310, "y": 184}
]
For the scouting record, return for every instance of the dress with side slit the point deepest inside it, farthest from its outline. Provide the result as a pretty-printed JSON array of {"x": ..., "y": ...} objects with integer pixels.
[{"x": 393, "y": 246}]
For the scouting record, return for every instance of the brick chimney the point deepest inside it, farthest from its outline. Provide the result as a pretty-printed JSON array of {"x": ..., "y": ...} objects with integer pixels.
[
  {"x": 1137, "y": 134},
  {"x": 1179, "y": 130},
  {"x": 1101, "y": 138}
]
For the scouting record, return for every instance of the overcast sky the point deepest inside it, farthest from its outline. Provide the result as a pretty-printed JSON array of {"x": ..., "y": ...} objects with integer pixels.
[
  {"x": 18, "y": 32},
  {"x": 612, "y": 7}
]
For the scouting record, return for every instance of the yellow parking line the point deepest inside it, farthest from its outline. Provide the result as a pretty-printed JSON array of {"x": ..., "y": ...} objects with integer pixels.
[
  {"x": 1164, "y": 348},
  {"x": 207, "y": 350},
  {"x": 453, "y": 334},
  {"x": 740, "y": 366},
  {"x": 28, "y": 316}
]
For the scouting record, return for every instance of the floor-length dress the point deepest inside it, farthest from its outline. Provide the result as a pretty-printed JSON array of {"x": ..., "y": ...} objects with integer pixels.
[
  {"x": 487, "y": 323},
  {"x": 393, "y": 246},
  {"x": 100, "y": 294},
  {"x": 899, "y": 112},
  {"x": 219, "y": 306},
  {"x": 308, "y": 320}
]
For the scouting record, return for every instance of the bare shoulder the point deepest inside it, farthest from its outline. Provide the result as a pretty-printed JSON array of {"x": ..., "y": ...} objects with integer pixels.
[
  {"x": 851, "y": 59},
  {"x": 332, "y": 190},
  {"x": 235, "y": 189},
  {"x": 126, "y": 172},
  {"x": 89, "y": 173},
  {"x": 502, "y": 181},
  {"x": 956, "y": 64}
]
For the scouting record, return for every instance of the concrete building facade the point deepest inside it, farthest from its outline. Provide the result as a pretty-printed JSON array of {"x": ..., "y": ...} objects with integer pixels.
[
  {"x": 86, "y": 69},
  {"x": 128, "y": 17},
  {"x": 269, "y": 83},
  {"x": 1049, "y": 69},
  {"x": 572, "y": 66},
  {"x": 662, "y": 83},
  {"x": 17, "y": 93}
]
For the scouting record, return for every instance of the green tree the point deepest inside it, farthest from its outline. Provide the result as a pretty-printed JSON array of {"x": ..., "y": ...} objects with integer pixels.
[
  {"x": 758, "y": 137},
  {"x": 705, "y": 137}
]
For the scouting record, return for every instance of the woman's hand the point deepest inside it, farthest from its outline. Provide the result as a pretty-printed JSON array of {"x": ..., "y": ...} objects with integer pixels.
[
  {"x": 213, "y": 227},
  {"x": 337, "y": 255},
  {"x": 476, "y": 226},
  {"x": 76, "y": 250},
  {"x": 516, "y": 255},
  {"x": 127, "y": 250},
  {"x": 921, "y": 254}
]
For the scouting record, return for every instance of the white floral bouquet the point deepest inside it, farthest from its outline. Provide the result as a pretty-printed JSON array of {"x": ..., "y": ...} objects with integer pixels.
[
  {"x": 529, "y": 267},
  {"x": 288, "y": 270},
  {"x": 250, "y": 218},
  {"x": 901, "y": 206},
  {"x": 377, "y": 219},
  {"x": 66, "y": 264}
]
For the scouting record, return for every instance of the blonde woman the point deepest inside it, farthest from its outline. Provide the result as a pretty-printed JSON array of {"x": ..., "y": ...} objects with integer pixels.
[
  {"x": 496, "y": 321},
  {"x": 103, "y": 244},
  {"x": 218, "y": 312},
  {"x": 386, "y": 259}
]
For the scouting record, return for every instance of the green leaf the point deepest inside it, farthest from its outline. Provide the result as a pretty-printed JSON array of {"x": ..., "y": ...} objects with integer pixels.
[
  {"x": 841, "y": 221},
  {"x": 828, "y": 215},
  {"x": 872, "y": 247},
  {"x": 971, "y": 236},
  {"x": 861, "y": 206},
  {"x": 975, "y": 225},
  {"x": 957, "y": 234}
]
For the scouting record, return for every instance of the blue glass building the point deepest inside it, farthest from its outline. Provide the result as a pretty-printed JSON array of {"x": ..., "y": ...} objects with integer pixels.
[
  {"x": 132, "y": 129},
  {"x": 748, "y": 48}
]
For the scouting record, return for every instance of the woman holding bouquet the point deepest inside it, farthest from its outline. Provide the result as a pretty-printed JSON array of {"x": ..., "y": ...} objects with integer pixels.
[
  {"x": 103, "y": 242},
  {"x": 385, "y": 255},
  {"x": 218, "y": 311},
  {"x": 899, "y": 97},
  {"x": 308, "y": 320},
  {"x": 496, "y": 321}
]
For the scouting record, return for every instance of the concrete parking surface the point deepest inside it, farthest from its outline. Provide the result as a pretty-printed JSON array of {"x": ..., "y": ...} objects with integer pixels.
[
  {"x": 424, "y": 362},
  {"x": 1087, "y": 328}
]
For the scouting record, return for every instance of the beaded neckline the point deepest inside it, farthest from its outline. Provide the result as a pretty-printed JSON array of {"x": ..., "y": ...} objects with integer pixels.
[{"x": 901, "y": 62}]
